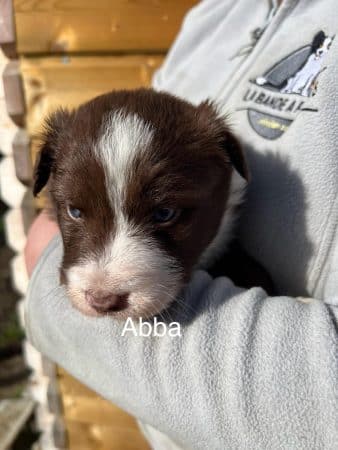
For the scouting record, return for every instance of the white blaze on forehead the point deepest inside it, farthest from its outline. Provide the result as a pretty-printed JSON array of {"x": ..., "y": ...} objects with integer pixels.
[
  {"x": 124, "y": 136},
  {"x": 131, "y": 261}
]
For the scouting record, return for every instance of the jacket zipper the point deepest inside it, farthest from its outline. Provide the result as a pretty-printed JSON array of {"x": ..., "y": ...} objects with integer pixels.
[{"x": 273, "y": 22}]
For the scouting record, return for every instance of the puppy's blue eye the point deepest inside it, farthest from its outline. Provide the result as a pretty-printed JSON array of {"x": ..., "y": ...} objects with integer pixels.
[
  {"x": 164, "y": 215},
  {"x": 74, "y": 213}
]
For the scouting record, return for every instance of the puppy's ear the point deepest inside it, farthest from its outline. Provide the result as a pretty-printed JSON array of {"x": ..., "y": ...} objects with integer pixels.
[
  {"x": 216, "y": 123},
  {"x": 318, "y": 40},
  {"x": 236, "y": 154},
  {"x": 45, "y": 162}
]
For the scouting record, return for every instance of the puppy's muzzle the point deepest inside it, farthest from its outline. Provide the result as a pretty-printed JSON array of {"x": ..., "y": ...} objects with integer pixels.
[{"x": 107, "y": 302}]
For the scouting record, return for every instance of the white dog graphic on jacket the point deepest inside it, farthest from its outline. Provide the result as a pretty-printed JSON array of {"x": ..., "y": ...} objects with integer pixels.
[{"x": 304, "y": 81}]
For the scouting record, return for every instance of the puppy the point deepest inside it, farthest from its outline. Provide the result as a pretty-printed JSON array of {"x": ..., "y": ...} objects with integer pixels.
[{"x": 145, "y": 187}]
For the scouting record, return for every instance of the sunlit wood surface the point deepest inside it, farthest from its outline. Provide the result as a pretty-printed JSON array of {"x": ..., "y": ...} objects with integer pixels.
[
  {"x": 48, "y": 26},
  {"x": 68, "y": 81},
  {"x": 94, "y": 423}
]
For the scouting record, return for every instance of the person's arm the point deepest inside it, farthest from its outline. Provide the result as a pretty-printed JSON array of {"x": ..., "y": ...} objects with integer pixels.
[
  {"x": 248, "y": 371},
  {"x": 41, "y": 232}
]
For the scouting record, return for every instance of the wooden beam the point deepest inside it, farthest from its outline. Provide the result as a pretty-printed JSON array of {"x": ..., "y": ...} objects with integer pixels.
[
  {"x": 22, "y": 157},
  {"x": 68, "y": 81},
  {"x": 95, "y": 436},
  {"x": 59, "y": 433},
  {"x": 7, "y": 127},
  {"x": 93, "y": 422},
  {"x": 54, "y": 400},
  {"x": 14, "y": 95},
  {"x": 47, "y": 26},
  {"x": 14, "y": 414},
  {"x": 7, "y": 29}
]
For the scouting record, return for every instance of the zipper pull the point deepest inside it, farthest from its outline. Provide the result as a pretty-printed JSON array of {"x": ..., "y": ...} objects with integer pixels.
[{"x": 257, "y": 33}]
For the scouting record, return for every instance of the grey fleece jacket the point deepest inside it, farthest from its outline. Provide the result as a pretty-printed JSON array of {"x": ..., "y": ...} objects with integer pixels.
[{"x": 249, "y": 371}]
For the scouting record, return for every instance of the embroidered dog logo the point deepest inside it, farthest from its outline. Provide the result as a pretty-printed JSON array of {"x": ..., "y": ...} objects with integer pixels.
[
  {"x": 305, "y": 81},
  {"x": 274, "y": 99}
]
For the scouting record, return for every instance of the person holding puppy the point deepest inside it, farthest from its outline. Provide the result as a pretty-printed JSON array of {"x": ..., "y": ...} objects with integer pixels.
[{"x": 249, "y": 370}]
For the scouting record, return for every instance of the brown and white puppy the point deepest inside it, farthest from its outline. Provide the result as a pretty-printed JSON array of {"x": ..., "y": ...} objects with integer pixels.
[{"x": 145, "y": 187}]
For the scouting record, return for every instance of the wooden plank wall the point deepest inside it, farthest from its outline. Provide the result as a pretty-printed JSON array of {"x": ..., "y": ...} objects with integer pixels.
[
  {"x": 116, "y": 430},
  {"x": 62, "y": 53},
  {"x": 84, "y": 26},
  {"x": 68, "y": 81}
]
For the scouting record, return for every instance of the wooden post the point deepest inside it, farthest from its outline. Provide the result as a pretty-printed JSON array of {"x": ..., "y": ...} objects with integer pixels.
[
  {"x": 22, "y": 157},
  {"x": 7, "y": 28},
  {"x": 14, "y": 95}
]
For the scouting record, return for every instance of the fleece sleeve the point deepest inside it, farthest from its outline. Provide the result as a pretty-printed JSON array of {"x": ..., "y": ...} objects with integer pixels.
[{"x": 247, "y": 372}]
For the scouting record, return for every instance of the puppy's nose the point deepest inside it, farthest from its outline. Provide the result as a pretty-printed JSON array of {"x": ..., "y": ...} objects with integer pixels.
[{"x": 104, "y": 303}]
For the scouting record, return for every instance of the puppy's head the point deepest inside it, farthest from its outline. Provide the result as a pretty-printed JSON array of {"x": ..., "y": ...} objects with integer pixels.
[
  {"x": 143, "y": 185},
  {"x": 321, "y": 44}
]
